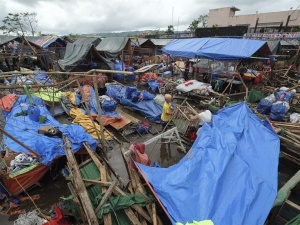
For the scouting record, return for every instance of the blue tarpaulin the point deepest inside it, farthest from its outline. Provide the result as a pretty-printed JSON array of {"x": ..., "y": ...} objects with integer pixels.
[
  {"x": 26, "y": 131},
  {"x": 217, "y": 48},
  {"x": 94, "y": 108},
  {"x": 147, "y": 108},
  {"x": 229, "y": 176}
]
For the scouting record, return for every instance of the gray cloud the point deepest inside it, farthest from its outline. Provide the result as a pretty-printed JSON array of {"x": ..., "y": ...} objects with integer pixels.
[{"x": 77, "y": 16}]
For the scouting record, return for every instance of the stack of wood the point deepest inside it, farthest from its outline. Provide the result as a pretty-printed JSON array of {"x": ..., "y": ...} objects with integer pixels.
[
  {"x": 84, "y": 199},
  {"x": 289, "y": 134}
]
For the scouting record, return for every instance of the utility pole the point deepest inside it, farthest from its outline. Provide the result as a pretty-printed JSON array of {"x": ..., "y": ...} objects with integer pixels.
[{"x": 172, "y": 14}]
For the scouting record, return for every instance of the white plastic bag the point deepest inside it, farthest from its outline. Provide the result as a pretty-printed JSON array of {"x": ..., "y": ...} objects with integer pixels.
[
  {"x": 271, "y": 98},
  {"x": 294, "y": 118}
]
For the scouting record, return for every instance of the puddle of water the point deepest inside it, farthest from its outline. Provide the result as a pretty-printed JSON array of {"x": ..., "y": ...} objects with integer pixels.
[{"x": 165, "y": 154}]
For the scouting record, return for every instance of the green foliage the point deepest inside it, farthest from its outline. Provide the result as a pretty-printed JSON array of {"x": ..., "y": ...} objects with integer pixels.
[
  {"x": 170, "y": 30},
  {"x": 193, "y": 26},
  {"x": 72, "y": 37},
  {"x": 203, "y": 19},
  {"x": 200, "y": 22},
  {"x": 20, "y": 23}
]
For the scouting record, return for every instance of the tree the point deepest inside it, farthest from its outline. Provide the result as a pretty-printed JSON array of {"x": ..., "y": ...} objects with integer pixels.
[
  {"x": 193, "y": 26},
  {"x": 170, "y": 30},
  {"x": 72, "y": 37},
  {"x": 20, "y": 23},
  {"x": 203, "y": 19},
  {"x": 200, "y": 22}
]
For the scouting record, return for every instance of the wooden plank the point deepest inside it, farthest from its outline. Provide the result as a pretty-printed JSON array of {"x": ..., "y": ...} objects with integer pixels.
[
  {"x": 101, "y": 167},
  {"x": 79, "y": 184},
  {"x": 84, "y": 163},
  {"x": 132, "y": 217},
  {"x": 122, "y": 113},
  {"x": 106, "y": 195},
  {"x": 154, "y": 217},
  {"x": 77, "y": 203},
  {"x": 123, "y": 122}
]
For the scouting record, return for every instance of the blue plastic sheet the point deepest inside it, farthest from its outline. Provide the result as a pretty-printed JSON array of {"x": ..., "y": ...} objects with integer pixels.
[
  {"x": 153, "y": 84},
  {"x": 114, "y": 91},
  {"x": 42, "y": 77},
  {"x": 216, "y": 48},
  {"x": 147, "y": 108},
  {"x": 94, "y": 108},
  {"x": 119, "y": 66},
  {"x": 26, "y": 131},
  {"x": 229, "y": 176}
]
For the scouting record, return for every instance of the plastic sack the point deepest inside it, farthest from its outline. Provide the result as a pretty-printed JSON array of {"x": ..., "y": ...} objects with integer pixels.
[
  {"x": 142, "y": 129},
  {"x": 283, "y": 96},
  {"x": 118, "y": 77},
  {"x": 108, "y": 105},
  {"x": 166, "y": 74},
  {"x": 278, "y": 111},
  {"x": 129, "y": 91},
  {"x": 264, "y": 106},
  {"x": 294, "y": 118},
  {"x": 147, "y": 95},
  {"x": 271, "y": 98}
]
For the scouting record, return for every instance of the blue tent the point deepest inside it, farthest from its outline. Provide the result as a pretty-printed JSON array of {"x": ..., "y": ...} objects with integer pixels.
[
  {"x": 25, "y": 130},
  {"x": 229, "y": 176},
  {"x": 217, "y": 48}
]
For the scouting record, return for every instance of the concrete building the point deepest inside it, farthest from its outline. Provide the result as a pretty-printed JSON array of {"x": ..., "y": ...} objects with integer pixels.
[{"x": 264, "y": 22}]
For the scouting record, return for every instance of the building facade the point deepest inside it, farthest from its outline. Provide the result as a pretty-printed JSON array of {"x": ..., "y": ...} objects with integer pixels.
[{"x": 287, "y": 21}]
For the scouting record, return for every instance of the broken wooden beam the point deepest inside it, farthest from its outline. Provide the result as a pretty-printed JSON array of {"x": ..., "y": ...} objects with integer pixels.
[
  {"x": 79, "y": 184},
  {"x": 106, "y": 195}
]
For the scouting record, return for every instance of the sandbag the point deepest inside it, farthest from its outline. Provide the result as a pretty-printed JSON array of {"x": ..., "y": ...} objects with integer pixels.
[
  {"x": 278, "y": 111},
  {"x": 109, "y": 105},
  {"x": 283, "y": 96},
  {"x": 264, "y": 106}
]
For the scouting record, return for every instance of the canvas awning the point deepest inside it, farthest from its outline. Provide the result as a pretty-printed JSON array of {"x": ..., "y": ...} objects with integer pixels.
[{"x": 217, "y": 48}]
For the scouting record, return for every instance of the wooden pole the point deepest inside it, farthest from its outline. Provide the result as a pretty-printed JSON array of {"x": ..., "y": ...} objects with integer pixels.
[
  {"x": 89, "y": 73},
  {"x": 35, "y": 52},
  {"x": 99, "y": 111},
  {"x": 79, "y": 184},
  {"x": 19, "y": 142},
  {"x": 21, "y": 54}
]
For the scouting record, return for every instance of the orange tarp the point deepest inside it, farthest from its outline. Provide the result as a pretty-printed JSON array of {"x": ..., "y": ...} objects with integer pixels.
[
  {"x": 7, "y": 102},
  {"x": 26, "y": 180}
]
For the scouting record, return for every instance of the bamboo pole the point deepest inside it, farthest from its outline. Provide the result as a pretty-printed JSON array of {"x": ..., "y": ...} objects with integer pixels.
[
  {"x": 21, "y": 54},
  {"x": 99, "y": 111},
  {"x": 19, "y": 142}
]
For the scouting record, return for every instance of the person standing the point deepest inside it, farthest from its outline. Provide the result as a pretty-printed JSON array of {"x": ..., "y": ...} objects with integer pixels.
[
  {"x": 167, "y": 111},
  {"x": 102, "y": 80},
  {"x": 204, "y": 116}
]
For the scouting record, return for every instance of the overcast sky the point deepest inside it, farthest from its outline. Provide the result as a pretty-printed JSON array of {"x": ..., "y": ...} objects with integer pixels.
[{"x": 95, "y": 16}]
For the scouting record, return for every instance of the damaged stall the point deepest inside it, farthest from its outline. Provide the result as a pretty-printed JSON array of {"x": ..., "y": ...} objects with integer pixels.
[
  {"x": 221, "y": 49},
  {"x": 33, "y": 138},
  {"x": 229, "y": 172}
]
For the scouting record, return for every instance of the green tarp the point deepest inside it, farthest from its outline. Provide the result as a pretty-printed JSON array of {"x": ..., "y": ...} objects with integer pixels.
[
  {"x": 115, "y": 205},
  {"x": 254, "y": 96}
]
